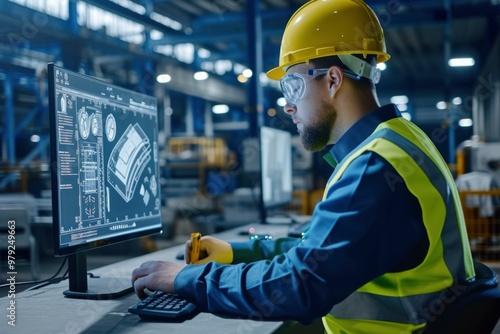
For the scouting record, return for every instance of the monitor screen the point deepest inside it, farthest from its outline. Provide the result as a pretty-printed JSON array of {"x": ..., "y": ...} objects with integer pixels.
[
  {"x": 104, "y": 159},
  {"x": 276, "y": 169}
]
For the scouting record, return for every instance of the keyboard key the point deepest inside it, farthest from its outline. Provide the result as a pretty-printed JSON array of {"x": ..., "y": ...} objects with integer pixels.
[{"x": 164, "y": 306}]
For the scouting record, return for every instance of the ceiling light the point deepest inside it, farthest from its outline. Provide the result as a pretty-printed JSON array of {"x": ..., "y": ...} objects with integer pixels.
[
  {"x": 406, "y": 115},
  {"x": 204, "y": 53},
  {"x": 465, "y": 122},
  {"x": 220, "y": 109},
  {"x": 35, "y": 138},
  {"x": 201, "y": 75},
  {"x": 222, "y": 66},
  {"x": 171, "y": 23},
  {"x": 381, "y": 66},
  {"x": 441, "y": 105},
  {"x": 281, "y": 102},
  {"x": 163, "y": 78},
  {"x": 241, "y": 78},
  {"x": 399, "y": 99},
  {"x": 402, "y": 107},
  {"x": 461, "y": 62},
  {"x": 247, "y": 73},
  {"x": 156, "y": 35},
  {"x": 457, "y": 101},
  {"x": 238, "y": 68}
]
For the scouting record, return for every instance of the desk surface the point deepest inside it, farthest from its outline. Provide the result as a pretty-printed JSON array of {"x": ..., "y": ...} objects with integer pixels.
[{"x": 46, "y": 310}]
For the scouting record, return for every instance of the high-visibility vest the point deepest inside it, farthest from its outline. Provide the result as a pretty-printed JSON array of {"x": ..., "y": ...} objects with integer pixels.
[{"x": 402, "y": 302}]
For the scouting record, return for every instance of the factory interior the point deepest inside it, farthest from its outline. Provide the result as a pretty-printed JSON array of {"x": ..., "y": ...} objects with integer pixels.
[{"x": 204, "y": 61}]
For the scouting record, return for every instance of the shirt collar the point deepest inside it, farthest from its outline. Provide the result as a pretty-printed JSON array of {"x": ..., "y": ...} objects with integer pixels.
[{"x": 361, "y": 130}]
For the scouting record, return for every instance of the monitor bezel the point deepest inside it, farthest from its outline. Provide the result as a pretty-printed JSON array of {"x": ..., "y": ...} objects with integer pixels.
[{"x": 55, "y": 181}]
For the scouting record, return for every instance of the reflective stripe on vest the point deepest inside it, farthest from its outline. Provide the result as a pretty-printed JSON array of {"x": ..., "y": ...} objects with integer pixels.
[{"x": 401, "y": 297}]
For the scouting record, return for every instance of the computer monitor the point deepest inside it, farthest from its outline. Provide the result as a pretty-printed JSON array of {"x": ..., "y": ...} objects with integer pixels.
[
  {"x": 104, "y": 173},
  {"x": 276, "y": 177}
]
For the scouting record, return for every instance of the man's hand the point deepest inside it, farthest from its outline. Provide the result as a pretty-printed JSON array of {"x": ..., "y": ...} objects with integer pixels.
[
  {"x": 211, "y": 249},
  {"x": 155, "y": 276}
]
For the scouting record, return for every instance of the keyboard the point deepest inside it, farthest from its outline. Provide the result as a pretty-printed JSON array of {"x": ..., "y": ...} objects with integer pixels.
[{"x": 164, "y": 306}]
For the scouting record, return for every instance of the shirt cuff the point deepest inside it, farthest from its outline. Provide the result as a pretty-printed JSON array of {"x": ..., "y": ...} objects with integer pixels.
[
  {"x": 186, "y": 280},
  {"x": 242, "y": 252}
]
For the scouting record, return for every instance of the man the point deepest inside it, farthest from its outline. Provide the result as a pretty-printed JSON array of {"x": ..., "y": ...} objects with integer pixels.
[{"x": 387, "y": 238}]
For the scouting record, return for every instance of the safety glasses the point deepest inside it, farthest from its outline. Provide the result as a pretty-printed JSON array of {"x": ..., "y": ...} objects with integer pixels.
[{"x": 293, "y": 85}]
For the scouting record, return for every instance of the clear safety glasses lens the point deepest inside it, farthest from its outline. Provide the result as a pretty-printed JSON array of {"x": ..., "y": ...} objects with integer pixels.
[{"x": 293, "y": 87}]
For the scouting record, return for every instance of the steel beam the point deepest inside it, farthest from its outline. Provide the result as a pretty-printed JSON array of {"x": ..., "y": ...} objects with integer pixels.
[
  {"x": 9, "y": 136},
  {"x": 255, "y": 104}
]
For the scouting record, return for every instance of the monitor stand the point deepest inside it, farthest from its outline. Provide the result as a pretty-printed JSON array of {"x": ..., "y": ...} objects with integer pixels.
[{"x": 94, "y": 287}]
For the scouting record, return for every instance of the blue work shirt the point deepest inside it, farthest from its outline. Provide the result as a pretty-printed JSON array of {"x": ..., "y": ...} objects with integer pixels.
[{"x": 367, "y": 225}]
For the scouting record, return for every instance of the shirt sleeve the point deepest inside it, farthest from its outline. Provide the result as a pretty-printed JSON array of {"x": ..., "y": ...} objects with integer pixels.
[{"x": 366, "y": 226}]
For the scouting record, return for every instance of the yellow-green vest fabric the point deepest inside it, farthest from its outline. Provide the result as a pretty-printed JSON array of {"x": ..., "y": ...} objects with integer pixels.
[{"x": 402, "y": 302}]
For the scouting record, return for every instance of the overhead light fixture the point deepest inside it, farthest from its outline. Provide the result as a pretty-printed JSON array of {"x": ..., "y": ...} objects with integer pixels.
[
  {"x": 457, "y": 101},
  {"x": 35, "y": 138},
  {"x": 238, "y": 68},
  {"x": 156, "y": 35},
  {"x": 402, "y": 107},
  {"x": 381, "y": 66},
  {"x": 465, "y": 122},
  {"x": 247, "y": 73},
  {"x": 406, "y": 115},
  {"x": 163, "y": 78},
  {"x": 220, "y": 108},
  {"x": 204, "y": 53},
  {"x": 241, "y": 78},
  {"x": 399, "y": 99},
  {"x": 441, "y": 105},
  {"x": 200, "y": 75},
  {"x": 281, "y": 102},
  {"x": 461, "y": 62}
]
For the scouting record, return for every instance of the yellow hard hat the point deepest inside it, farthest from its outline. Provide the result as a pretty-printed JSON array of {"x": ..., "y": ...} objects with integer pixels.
[{"x": 322, "y": 28}]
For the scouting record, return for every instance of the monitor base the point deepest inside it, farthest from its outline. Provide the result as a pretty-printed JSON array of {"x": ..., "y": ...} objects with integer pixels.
[{"x": 103, "y": 288}]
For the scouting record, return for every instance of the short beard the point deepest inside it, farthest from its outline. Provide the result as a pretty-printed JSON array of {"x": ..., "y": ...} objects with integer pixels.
[{"x": 316, "y": 136}]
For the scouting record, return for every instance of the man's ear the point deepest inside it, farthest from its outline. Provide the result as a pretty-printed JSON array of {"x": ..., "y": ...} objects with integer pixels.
[{"x": 335, "y": 78}]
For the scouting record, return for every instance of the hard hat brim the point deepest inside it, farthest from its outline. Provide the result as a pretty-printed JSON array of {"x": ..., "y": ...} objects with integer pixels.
[{"x": 276, "y": 73}]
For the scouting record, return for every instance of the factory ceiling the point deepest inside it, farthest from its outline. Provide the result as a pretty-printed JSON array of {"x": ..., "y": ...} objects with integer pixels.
[{"x": 421, "y": 37}]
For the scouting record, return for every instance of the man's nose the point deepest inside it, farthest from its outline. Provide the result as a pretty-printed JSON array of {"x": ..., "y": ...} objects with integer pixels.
[{"x": 290, "y": 108}]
